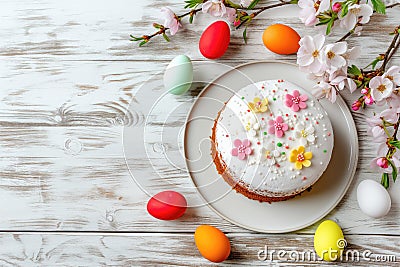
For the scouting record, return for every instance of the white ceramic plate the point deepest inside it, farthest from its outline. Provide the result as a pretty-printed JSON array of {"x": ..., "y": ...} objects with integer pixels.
[{"x": 278, "y": 217}]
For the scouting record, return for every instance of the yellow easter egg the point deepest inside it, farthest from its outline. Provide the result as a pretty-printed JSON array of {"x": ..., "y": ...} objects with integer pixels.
[{"x": 329, "y": 241}]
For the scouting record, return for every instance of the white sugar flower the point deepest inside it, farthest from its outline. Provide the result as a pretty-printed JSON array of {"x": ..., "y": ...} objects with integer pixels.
[
  {"x": 334, "y": 55},
  {"x": 252, "y": 125},
  {"x": 323, "y": 89},
  {"x": 381, "y": 88},
  {"x": 309, "y": 56},
  {"x": 356, "y": 14},
  {"x": 304, "y": 134},
  {"x": 310, "y": 10},
  {"x": 171, "y": 20},
  {"x": 272, "y": 154},
  {"x": 393, "y": 74}
]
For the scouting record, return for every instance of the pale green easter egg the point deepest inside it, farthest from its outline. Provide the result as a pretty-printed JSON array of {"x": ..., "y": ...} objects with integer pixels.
[
  {"x": 178, "y": 75},
  {"x": 329, "y": 241}
]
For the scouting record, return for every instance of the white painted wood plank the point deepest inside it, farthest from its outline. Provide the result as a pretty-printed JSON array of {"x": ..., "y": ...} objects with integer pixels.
[
  {"x": 96, "y": 30},
  {"x": 46, "y": 249}
]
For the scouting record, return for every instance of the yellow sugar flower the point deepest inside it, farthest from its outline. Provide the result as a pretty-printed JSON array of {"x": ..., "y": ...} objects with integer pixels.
[
  {"x": 259, "y": 105},
  {"x": 300, "y": 158}
]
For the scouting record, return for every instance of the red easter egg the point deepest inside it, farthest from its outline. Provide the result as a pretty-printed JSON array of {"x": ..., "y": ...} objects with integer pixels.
[
  {"x": 215, "y": 40},
  {"x": 167, "y": 205}
]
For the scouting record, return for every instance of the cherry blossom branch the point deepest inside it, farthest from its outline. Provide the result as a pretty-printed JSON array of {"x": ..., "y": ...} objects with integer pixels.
[
  {"x": 392, "y": 144},
  {"x": 259, "y": 11}
]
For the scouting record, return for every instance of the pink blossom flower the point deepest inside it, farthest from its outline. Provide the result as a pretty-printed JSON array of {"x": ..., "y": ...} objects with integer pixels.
[
  {"x": 309, "y": 56},
  {"x": 393, "y": 74},
  {"x": 242, "y": 149},
  {"x": 334, "y": 55},
  {"x": 277, "y": 127},
  {"x": 323, "y": 89},
  {"x": 390, "y": 115},
  {"x": 296, "y": 101},
  {"x": 230, "y": 14},
  {"x": 171, "y": 20},
  {"x": 310, "y": 9},
  {"x": 245, "y": 3},
  {"x": 376, "y": 130},
  {"x": 339, "y": 78},
  {"x": 381, "y": 88},
  {"x": 357, "y": 13},
  {"x": 217, "y": 8}
]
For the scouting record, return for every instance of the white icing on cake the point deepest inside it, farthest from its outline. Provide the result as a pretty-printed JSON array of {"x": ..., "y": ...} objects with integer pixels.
[{"x": 267, "y": 171}]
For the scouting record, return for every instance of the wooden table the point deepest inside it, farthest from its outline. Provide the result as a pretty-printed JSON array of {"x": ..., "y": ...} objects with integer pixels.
[{"x": 68, "y": 74}]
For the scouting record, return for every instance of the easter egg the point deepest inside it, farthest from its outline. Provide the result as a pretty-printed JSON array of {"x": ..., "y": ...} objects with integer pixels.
[
  {"x": 281, "y": 39},
  {"x": 373, "y": 199},
  {"x": 178, "y": 75},
  {"x": 215, "y": 40},
  {"x": 212, "y": 243},
  {"x": 329, "y": 241},
  {"x": 167, "y": 205}
]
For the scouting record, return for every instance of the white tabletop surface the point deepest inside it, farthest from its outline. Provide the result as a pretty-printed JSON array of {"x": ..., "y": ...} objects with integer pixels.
[{"x": 68, "y": 74}]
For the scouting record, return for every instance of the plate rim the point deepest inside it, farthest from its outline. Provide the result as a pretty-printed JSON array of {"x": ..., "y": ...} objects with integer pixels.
[{"x": 354, "y": 151}]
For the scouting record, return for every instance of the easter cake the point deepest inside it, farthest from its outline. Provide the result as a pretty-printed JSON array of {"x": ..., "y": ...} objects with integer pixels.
[{"x": 271, "y": 141}]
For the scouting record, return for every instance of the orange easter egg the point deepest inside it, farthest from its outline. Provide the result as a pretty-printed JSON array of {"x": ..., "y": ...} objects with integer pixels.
[{"x": 281, "y": 39}]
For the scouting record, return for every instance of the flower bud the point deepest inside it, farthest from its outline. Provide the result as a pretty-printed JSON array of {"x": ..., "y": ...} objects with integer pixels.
[
  {"x": 364, "y": 91},
  {"x": 369, "y": 100},
  {"x": 356, "y": 105},
  {"x": 382, "y": 162},
  {"x": 337, "y": 7}
]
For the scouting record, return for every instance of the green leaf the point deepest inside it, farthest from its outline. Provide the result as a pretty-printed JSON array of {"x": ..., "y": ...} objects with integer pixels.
[
  {"x": 166, "y": 37},
  {"x": 385, "y": 180},
  {"x": 345, "y": 8},
  {"x": 394, "y": 170},
  {"x": 253, "y": 4},
  {"x": 295, "y": 2},
  {"x": 191, "y": 19},
  {"x": 353, "y": 69},
  {"x": 373, "y": 64},
  {"x": 245, "y": 35},
  {"x": 143, "y": 43},
  {"x": 379, "y": 6},
  {"x": 193, "y": 3},
  {"x": 395, "y": 143},
  {"x": 133, "y": 38},
  {"x": 329, "y": 26}
]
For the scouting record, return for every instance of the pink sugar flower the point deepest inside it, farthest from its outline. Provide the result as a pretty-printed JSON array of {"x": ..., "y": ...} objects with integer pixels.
[
  {"x": 277, "y": 127},
  {"x": 296, "y": 101},
  {"x": 242, "y": 149}
]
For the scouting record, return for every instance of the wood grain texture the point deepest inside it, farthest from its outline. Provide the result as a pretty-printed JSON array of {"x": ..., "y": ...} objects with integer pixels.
[
  {"x": 72, "y": 84},
  {"x": 23, "y": 249}
]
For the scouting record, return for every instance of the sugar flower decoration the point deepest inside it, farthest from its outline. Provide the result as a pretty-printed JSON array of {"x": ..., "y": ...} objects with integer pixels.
[
  {"x": 259, "y": 105},
  {"x": 277, "y": 127},
  {"x": 304, "y": 134},
  {"x": 242, "y": 149},
  {"x": 296, "y": 101},
  {"x": 171, "y": 20},
  {"x": 272, "y": 154},
  {"x": 252, "y": 125},
  {"x": 300, "y": 158}
]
